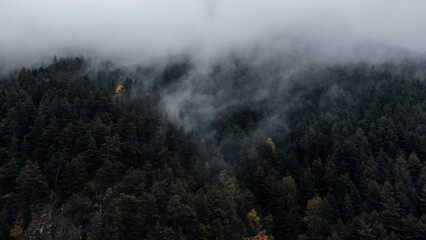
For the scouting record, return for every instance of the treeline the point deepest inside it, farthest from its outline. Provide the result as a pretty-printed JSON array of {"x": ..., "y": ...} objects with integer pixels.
[{"x": 92, "y": 156}]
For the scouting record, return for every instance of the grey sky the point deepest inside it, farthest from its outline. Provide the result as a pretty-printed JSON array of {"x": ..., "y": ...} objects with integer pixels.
[{"x": 141, "y": 30}]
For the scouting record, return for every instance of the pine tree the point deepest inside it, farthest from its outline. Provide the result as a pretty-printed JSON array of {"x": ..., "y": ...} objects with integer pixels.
[
  {"x": 113, "y": 221},
  {"x": 31, "y": 185},
  {"x": 391, "y": 213},
  {"x": 31, "y": 188},
  {"x": 287, "y": 217},
  {"x": 91, "y": 157},
  {"x": 74, "y": 176},
  {"x": 111, "y": 149},
  {"x": 347, "y": 208},
  {"x": 108, "y": 174},
  {"x": 365, "y": 231},
  {"x": 314, "y": 221},
  {"x": 96, "y": 228}
]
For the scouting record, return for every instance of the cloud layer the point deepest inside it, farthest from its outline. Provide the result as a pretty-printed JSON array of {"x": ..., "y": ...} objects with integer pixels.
[
  {"x": 142, "y": 30},
  {"x": 277, "y": 39}
]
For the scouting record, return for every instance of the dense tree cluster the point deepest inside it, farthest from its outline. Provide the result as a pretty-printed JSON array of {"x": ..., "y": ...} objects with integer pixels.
[{"x": 81, "y": 158}]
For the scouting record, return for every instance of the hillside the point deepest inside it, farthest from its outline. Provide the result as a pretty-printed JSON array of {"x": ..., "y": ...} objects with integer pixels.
[{"x": 167, "y": 153}]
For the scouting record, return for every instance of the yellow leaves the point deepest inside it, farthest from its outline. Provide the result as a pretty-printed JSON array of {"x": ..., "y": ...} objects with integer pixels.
[
  {"x": 313, "y": 208},
  {"x": 290, "y": 187},
  {"x": 271, "y": 144},
  {"x": 108, "y": 193},
  {"x": 254, "y": 220},
  {"x": 233, "y": 187},
  {"x": 260, "y": 236},
  {"x": 289, "y": 182},
  {"x": 119, "y": 88},
  {"x": 314, "y": 222},
  {"x": 5, "y": 196},
  {"x": 120, "y": 91}
]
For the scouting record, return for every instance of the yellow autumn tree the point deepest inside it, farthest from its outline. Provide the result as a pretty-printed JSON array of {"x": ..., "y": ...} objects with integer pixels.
[
  {"x": 261, "y": 236},
  {"x": 313, "y": 219},
  {"x": 254, "y": 220},
  {"x": 271, "y": 144}
]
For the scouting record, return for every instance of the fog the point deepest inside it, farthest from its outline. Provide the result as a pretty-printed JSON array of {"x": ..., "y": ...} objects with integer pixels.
[
  {"x": 278, "y": 38},
  {"x": 140, "y": 31}
]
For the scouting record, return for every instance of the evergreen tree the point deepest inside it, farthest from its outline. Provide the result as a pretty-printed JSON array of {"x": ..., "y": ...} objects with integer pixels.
[
  {"x": 74, "y": 176},
  {"x": 287, "y": 217},
  {"x": 313, "y": 219},
  {"x": 31, "y": 185}
]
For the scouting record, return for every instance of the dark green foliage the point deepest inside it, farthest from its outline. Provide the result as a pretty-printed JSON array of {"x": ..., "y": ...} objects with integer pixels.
[
  {"x": 74, "y": 176},
  {"x": 339, "y": 155},
  {"x": 30, "y": 184}
]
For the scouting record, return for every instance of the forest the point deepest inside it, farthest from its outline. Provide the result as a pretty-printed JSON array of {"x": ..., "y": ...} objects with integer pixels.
[{"x": 91, "y": 153}]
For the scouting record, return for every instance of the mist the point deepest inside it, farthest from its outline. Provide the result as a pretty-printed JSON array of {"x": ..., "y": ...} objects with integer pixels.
[
  {"x": 139, "y": 32},
  {"x": 275, "y": 39}
]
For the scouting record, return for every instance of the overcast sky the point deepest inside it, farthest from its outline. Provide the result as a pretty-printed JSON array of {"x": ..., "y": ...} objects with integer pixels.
[{"x": 140, "y": 30}]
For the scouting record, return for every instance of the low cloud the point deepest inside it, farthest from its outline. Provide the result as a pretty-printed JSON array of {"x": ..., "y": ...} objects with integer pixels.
[{"x": 140, "y": 31}]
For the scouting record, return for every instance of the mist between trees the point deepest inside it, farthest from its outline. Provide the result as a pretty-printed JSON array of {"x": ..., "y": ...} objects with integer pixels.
[{"x": 226, "y": 152}]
